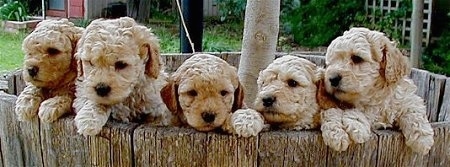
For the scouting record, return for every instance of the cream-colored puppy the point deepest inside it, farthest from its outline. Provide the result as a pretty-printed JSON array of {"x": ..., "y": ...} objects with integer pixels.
[
  {"x": 49, "y": 71},
  {"x": 287, "y": 91},
  {"x": 365, "y": 69},
  {"x": 120, "y": 74},
  {"x": 205, "y": 93}
]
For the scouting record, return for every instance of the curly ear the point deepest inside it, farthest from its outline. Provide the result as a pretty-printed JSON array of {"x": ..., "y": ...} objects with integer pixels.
[
  {"x": 393, "y": 66},
  {"x": 238, "y": 102},
  {"x": 152, "y": 64},
  {"x": 169, "y": 95}
]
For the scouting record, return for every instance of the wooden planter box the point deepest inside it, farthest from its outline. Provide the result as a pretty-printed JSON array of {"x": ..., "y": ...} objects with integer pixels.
[
  {"x": 16, "y": 26},
  {"x": 119, "y": 144}
]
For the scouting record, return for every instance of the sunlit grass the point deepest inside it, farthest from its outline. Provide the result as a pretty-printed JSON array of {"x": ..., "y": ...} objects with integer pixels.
[{"x": 11, "y": 55}]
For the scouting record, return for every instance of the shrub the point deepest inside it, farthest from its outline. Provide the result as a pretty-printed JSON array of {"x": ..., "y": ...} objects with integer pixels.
[
  {"x": 436, "y": 57},
  {"x": 14, "y": 11},
  {"x": 231, "y": 9}
]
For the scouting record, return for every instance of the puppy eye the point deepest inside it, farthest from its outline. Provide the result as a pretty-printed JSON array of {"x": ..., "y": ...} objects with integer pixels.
[
  {"x": 292, "y": 83},
  {"x": 223, "y": 92},
  {"x": 192, "y": 93},
  {"x": 52, "y": 51},
  {"x": 357, "y": 59},
  {"x": 120, "y": 65}
]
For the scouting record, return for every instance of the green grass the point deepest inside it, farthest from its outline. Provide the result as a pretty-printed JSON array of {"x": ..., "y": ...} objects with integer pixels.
[{"x": 11, "y": 55}]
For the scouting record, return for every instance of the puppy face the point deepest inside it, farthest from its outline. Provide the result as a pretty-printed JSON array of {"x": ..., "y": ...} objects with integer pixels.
[
  {"x": 49, "y": 52},
  {"x": 203, "y": 92},
  {"x": 114, "y": 58},
  {"x": 359, "y": 61},
  {"x": 287, "y": 90}
]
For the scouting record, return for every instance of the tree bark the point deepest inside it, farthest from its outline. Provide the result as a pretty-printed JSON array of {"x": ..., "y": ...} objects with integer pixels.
[
  {"x": 416, "y": 33},
  {"x": 259, "y": 43}
]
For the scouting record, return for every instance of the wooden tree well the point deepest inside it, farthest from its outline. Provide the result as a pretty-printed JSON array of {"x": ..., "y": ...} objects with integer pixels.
[{"x": 119, "y": 144}]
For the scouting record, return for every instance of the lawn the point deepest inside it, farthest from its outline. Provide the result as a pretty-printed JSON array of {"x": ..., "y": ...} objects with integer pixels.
[{"x": 11, "y": 55}]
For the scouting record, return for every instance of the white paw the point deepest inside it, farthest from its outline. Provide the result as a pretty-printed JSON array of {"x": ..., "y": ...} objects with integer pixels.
[
  {"x": 27, "y": 107},
  {"x": 52, "y": 109},
  {"x": 247, "y": 122},
  {"x": 421, "y": 144},
  {"x": 360, "y": 135},
  {"x": 90, "y": 122},
  {"x": 337, "y": 139}
]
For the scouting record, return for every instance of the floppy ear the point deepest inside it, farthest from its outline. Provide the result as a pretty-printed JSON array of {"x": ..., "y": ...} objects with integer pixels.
[
  {"x": 152, "y": 65},
  {"x": 170, "y": 97},
  {"x": 238, "y": 102},
  {"x": 393, "y": 66}
]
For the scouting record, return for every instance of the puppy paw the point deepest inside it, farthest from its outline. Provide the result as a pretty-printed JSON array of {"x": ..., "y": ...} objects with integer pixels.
[
  {"x": 337, "y": 139},
  {"x": 357, "y": 126},
  {"x": 421, "y": 144},
  {"x": 247, "y": 122},
  {"x": 53, "y": 108},
  {"x": 27, "y": 107},
  {"x": 90, "y": 123}
]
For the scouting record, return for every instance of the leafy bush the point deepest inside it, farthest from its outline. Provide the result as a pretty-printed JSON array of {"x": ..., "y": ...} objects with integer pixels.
[
  {"x": 231, "y": 9},
  {"x": 14, "y": 11},
  {"x": 436, "y": 57},
  {"x": 316, "y": 22}
]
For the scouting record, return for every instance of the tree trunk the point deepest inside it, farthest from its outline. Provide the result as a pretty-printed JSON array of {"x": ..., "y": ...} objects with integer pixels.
[
  {"x": 416, "y": 33},
  {"x": 259, "y": 43}
]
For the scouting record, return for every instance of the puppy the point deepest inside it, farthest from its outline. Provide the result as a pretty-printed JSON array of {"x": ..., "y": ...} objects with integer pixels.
[
  {"x": 287, "y": 91},
  {"x": 205, "y": 93},
  {"x": 49, "y": 71},
  {"x": 120, "y": 73},
  {"x": 366, "y": 70}
]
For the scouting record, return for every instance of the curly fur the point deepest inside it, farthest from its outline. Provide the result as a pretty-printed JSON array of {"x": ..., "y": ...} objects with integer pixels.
[
  {"x": 372, "y": 76},
  {"x": 120, "y": 73},
  {"x": 205, "y": 92},
  {"x": 286, "y": 91},
  {"x": 49, "y": 71}
]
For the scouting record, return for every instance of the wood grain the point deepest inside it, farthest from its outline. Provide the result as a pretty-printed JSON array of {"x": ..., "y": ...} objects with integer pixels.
[
  {"x": 444, "y": 113},
  {"x": 435, "y": 94}
]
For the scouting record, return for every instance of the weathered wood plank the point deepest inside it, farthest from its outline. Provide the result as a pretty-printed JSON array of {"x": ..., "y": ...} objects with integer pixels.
[
  {"x": 357, "y": 154},
  {"x": 3, "y": 85},
  {"x": 435, "y": 94},
  {"x": 180, "y": 147},
  {"x": 228, "y": 150},
  {"x": 421, "y": 79},
  {"x": 316, "y": 59},
  {"x": 11, "y": 78},
  {"x": 19, "y": 140},
  {"x": 62, "y": 145},
  {"x": 19, "y": 82},
  {"x": 113, "y": 146},
  {"x": 271, "y": 154},
  {"x": 144, "y": 138},
  {"x": 440, "y": 152},
  {"x": 392, "y": 151},
  {"x": 1, "y": 155},
  {"x": 444, "y": 113}
]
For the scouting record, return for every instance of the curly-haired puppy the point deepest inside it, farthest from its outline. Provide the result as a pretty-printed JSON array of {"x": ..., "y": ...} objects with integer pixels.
[
  {"x": 49, "y": 71},
  {"x": 365, "y": 69},
  {"x": 120, "y": 73},
  {"x": 287, "y": 91},
  {"x": 205, "y": 94}
]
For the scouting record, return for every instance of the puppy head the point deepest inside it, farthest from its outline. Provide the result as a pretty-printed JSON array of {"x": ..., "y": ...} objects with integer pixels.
[
  {"x": 287, "y": 90},
  {"x": 114, "y": 56},
  {"x": 203, "y": 92},
  {"x": 49, "y": 51},
  {"x": 361, "y": 61}
]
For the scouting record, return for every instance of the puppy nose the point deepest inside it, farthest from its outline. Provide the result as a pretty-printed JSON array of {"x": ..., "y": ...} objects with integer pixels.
[
  {"x": 102, "y": 89},
  {"x": 335, "y": 80},
  {"x": 268, "y": 101},
  {"x": 32, "y": 71},
  {"x": 208, "y": 117}
]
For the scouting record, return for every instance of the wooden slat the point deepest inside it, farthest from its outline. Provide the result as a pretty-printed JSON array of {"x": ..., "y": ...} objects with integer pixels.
[
  {"x": 19, "y": 82},
  {"x": 440, "y": 153},
  {"x": 144, "y": 138},
  {"x": 226, "y": 150},
  {"x": 3, "y": 85},
  {"x": 444, "y": 113},
  {"x": 394, "y": 152},
  {"x": 421, "y": 80},
  {"x": 19, "y": 140},
  {"x": 435, "y": 93},
  {"x": 357, "y": 154},
  {"x": 11, "y": 78},
  {"x": 63, "y": 145}
]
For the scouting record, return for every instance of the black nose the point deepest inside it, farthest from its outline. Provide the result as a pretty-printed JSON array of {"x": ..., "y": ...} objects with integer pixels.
[
  {"x": 33, "y": 71},
  {"x": 208, "y": 117},
  {"x": 268, "y": 101},
  {"x": 102, "y": 89},
  {"x": 335, "y": 80}
]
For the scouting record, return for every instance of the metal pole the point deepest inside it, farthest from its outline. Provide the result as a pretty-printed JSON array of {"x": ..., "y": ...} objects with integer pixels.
[
  {"x": 416, "y": 33},
  {"x": 193, "y": 16},
  {"x": 43, "y": 9}
]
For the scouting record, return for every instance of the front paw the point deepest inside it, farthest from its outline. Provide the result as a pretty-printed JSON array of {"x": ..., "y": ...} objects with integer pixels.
[
  {"x": 422, "y": 144},
  {"x": 52, "y": 109},
  {"x": 90, "y": 123},
  {"x": 247, "y": 122},
  {"x": 337, "y": 139},
  {"x": 27, "y": 107}
]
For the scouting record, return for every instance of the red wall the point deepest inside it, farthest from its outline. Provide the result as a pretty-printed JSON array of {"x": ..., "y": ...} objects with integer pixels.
[{"x": 76, "y": 8}]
